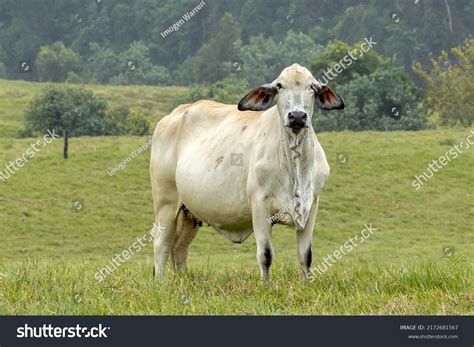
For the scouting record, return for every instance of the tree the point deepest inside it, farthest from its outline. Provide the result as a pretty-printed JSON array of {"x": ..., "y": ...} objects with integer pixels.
[
  {"x": 71, "y": 111},
  {"x": 263, "y": 59},
  {"x": 378, "y": 94},
  {"x": 406, "y": 30},
  {"x": 359, "y": 21},
  {"x": 221, "y": 49},
  {"x": 297, "y": 48},
  {"x": 335, "y": 52},
  {"x": 137, "y": 68},
  {"x": 259, "y": 61},
  {"x": 450, "y": 86},
  {"x": 382, "y": 100},
  {"x": 75, "y": 111},
  {"x": 55, "y": 61},
  {"x": 102, "y": 65}
]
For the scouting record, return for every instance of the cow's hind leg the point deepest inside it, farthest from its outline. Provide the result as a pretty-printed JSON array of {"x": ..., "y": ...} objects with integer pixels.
[
  {"x": 186, "y": 230},
  {"x": 163, "y": 234}
]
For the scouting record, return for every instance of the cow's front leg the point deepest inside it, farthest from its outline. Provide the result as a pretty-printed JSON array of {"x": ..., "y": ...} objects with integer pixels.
[
  {"x": 304, "y": 240},
  {"x": 263, "y": 236}
]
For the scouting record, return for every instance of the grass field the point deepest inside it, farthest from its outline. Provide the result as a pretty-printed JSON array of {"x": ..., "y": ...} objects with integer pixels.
[{"x": 50, "y": 251}]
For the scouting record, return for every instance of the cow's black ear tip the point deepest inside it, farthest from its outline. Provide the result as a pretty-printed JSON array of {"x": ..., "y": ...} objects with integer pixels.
[
  {"x": 241, "y": 107},
  {"x": 341, "y": 105}
]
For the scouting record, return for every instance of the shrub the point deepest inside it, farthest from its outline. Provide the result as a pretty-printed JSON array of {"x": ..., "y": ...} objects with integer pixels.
[{"x": 119, "y": 121}]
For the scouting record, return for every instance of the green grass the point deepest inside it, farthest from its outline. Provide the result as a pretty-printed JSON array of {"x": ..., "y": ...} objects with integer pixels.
[
  {"x": 46, "y": 288},
  {"x": 49, "y": 252}
]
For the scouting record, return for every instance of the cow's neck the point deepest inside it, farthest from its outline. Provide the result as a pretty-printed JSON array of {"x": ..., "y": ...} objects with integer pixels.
[{"x": 297, "y": 164}]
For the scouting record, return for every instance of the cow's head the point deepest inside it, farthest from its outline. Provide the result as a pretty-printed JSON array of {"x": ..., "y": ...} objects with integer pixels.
[{"x": 296, "y": 92}]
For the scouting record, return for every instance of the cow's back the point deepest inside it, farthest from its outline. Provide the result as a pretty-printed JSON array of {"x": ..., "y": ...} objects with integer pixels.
[{"x": 186, "y": 122}]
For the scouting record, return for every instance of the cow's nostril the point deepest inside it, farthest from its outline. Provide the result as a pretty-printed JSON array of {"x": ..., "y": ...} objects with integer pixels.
[{"x": 298, "y": 116}]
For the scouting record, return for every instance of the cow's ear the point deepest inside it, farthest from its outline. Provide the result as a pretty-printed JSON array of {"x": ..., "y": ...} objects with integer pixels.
[
  {"x": 326, "y": 98},
  {"x": 259, "y": 99}
]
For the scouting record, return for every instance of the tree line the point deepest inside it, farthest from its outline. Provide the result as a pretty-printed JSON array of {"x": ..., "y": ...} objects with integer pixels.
[{"x": 120, "y": 41}]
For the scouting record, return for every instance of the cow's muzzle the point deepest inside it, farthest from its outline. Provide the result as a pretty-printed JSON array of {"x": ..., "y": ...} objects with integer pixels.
[{"x": 297, "y": 120}]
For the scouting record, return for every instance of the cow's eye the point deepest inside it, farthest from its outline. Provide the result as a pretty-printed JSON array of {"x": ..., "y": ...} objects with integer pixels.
[{"x": 279, "y": 86}]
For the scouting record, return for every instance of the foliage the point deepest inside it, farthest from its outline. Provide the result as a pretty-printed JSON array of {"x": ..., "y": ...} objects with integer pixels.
[
  {"x": 335, "y": 52},
  {"x": 418, "y": 28},
  {"x": 102, "y": 64},
  {"x": 121, "y": 42},
  {"x": 382, "y": 100},
  {"x": 259, "y": 61},
  {"x": 263, "y": 59},
  {"x": 221, "y": 49},
  {"x": 54, "y": 62},
  {"x": 78, "y": 111},
  {"x": 132, "y": 66},
  {"x": 450, "y": 85},
  {"x": 71, "y": 109},
  {"x": 378, "y": 94},
  {"x": 121, "y": 121},
  {"x": 227, "y": 91},
  {"x": 138, "y": 68}
]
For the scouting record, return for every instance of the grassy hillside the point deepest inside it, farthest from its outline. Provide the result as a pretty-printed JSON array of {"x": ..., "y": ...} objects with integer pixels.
[
  {"x": 49, "y": 250},
  {"x": 153, "y": 102}
]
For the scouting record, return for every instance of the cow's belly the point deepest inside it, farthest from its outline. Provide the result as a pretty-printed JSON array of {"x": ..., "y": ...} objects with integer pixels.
[
  {"x": 212, "y": 174},
  {"x": 214, "y": 190},
  {"x": 217, "y": 205}
]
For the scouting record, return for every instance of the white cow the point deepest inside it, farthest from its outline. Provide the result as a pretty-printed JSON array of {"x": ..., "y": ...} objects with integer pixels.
[{"x": 236, "y": 167}]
